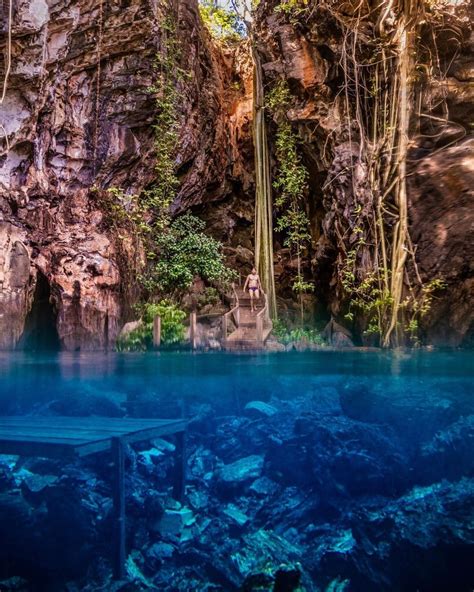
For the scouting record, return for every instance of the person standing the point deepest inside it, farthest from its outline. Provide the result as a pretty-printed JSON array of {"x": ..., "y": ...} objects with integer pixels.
[{"x": 254, "y": 287}]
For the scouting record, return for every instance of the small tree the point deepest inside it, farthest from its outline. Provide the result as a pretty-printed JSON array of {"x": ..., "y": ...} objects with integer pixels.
[{"x": 184, "y": 252}]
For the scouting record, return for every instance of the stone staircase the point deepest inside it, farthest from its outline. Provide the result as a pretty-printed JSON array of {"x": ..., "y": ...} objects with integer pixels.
[{"x": 252, "y": 329}]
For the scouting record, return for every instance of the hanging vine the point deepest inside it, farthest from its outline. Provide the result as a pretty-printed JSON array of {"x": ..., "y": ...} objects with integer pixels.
[
  {"x": 263, "y": 190},
  {"x": 381, "y": 61},
  {"x": 291, "y": 183}
]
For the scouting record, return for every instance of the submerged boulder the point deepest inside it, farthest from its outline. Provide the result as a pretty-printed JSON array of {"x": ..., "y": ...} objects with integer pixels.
[
  {"x": 259, "y": 409},
  {"x": 242, "y": 470},
  {"x": 175, "y": 524}
]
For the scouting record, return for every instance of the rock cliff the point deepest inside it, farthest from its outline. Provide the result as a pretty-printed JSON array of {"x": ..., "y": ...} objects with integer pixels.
[
  {"x": 305, "y": 49},
  {"x": 77, "y": 119}
]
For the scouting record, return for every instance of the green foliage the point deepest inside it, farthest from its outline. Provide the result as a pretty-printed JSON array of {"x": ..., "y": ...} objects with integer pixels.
[
  {"x": 294, "y": 223},
  {"x": 210, "y": 296},
  {"x": 292, "y": 178},
  {"x": 286, "y": 334},
  {"x": 172, "y": 328},
  {"x": 278, "y": 98},
  {"x": 366, "y": 293},
  {"x": 140, "y": 339},
  {"x": 172, "y": 317},
  {"x": 177, "y": 251},
  {"x": 169, "y": 77},
  {"x": 291, "y": 183},
  {"x": 292, "y": 7},
  {"x": 419, "y": 306},
  {"x": 125, "y": 210},
  {"x": 301, "y": 287},
  {"x": 185, "y": 251},
  {"x": 223, "y": 23}
]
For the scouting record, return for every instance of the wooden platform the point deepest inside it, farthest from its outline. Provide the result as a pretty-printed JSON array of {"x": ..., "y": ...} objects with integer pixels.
[
  {"x": 66, "y": 437},
  {"x": 70, "y": 437}
]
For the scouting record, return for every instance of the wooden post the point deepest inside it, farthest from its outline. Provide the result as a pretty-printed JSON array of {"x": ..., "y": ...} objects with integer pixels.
[
  {"x": 224, "y": 328},
  {"x": 180, "y": 464},
  {"x": 118, "y": 452},
  {"x": 259, "y": 329},
  {"x": 157, "y": 331},
  {"x": 192, "y": 329}
]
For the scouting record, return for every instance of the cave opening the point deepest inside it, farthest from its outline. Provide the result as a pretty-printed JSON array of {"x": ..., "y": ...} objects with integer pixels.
[{"x": 41, "y": 333}]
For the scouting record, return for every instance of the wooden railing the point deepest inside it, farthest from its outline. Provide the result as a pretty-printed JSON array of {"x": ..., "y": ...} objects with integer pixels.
[
  {"x": 262, "y": 319},
  {"x": 235, "y": 312}
]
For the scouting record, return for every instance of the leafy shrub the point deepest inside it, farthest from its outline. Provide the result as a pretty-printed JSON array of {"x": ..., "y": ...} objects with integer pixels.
[
  {"x": 209, "y": 296},
  {"x": 185, "y": 251},
  {"x": 140, "y": 339},
  {"x": 286, "y": 335},
  {"x": 172, "y": 328}
]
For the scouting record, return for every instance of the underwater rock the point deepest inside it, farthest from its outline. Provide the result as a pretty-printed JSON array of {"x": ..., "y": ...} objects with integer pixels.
[
  {"x": 163, "y": 445},
  {"x": 201, "y": 464},
  {"x": 33, "y": 485},
  {"x": 85, "y": 406},
  {"x": 160, "y": 551},
  {"x": 175, "y": 524},
  {"x": 420, "y": 541},
  {"x": 386, "y": 405},
  {"x": 197, "y": 498},
  {"x": 233, "y": 512},
  {"x": 285, "y": 578},
  {"x": 449, "y": 454},
  {"x": 149, "y": 458},
  {"x": 242, "y": 470},
  {"x": 261, "y": 555},
  {"x": 259, "y": 408},
  {"x": 264, "y": 487},
  {"x": 15, "y": 584}
]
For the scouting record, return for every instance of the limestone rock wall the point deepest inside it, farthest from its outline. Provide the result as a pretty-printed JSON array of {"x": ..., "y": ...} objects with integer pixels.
[
  {"x": 305, "y": 50},
  {"x": 77, "y": 117},
  {"x": 16, "y": 283}
]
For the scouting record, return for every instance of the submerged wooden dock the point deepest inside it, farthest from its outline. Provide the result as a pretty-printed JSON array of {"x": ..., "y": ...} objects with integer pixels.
[{"x": 71, "y": 437}]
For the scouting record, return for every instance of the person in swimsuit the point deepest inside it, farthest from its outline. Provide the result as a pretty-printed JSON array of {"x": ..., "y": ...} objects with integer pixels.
[{"x": 254, "y": 287}]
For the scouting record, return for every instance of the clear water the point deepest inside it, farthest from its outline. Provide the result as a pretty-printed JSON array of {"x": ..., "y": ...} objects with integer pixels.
[{"x": 378, "y": 449}]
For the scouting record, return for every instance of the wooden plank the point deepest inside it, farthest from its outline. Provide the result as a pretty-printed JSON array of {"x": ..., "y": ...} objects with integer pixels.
[
  {"x": 91, "y": 428},
  {"x": 43, "y": 449},
  {"x": 66, "y": 432},
  {"x": 15, "y": 437},
  {"x": 73, "y": 420},
  {"x": 78, "y": 438}
]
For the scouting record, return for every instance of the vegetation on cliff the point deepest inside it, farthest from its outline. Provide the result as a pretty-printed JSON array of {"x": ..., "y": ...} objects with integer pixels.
[{"x": 386, "y": 57}]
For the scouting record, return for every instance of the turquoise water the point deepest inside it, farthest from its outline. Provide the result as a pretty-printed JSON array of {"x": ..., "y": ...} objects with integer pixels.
[{"x": 362, "y": 474}]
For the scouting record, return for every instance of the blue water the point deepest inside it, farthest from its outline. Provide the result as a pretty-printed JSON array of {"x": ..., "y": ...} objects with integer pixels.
[{"x": 364, "y": 475}]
